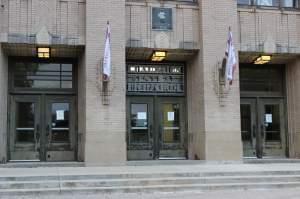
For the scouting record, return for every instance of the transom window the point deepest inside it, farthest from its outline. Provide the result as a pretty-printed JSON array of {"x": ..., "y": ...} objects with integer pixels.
[
  {"x": 271, "y": 3},
  {"x": 42, "y": 75}
]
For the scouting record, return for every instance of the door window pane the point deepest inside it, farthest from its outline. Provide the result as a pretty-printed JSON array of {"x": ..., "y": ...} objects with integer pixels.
[
  {"x": 244, "y": 2},
  {"x": 248, "y": 131},
  {"x": 171, "y": 123},
  {"x": 139, "y": 123},
  {"x": 287, "y": 3},
  {"x": 267, "y": 79},
  {"x": 272, "y": 123},
  {"x": 246, "y": 122},
  {"x": 25, "y": 122},
  {"x": 268, "y": 2},
  {"x": 60, "y": 131}
]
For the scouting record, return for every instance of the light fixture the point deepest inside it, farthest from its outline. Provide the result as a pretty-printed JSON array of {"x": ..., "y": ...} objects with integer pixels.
[
  {"x": 158, "y": 55},
  {"x": 43, "y": 52},
  {"x": 263, "y": 59}
]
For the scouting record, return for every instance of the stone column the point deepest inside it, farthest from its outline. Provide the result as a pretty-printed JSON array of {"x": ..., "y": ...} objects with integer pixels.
[
  {"x": 105, "y": 125},
  {"x": 216, "y": 123},
  {"x": 293, "y": 107},
  {"x": 3, "y": 105}
]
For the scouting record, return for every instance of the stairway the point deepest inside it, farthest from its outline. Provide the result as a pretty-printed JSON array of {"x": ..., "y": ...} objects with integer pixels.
[{"x": 184, "y": 178}]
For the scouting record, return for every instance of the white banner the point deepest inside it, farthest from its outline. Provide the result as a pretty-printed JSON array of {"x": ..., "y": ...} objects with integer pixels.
[
  {"x": 231, "y": 58},
  {"x": 107, "y": 55}
]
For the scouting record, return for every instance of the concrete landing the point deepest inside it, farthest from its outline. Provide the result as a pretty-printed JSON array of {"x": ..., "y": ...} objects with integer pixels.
[{"x": 142, "y": 177}]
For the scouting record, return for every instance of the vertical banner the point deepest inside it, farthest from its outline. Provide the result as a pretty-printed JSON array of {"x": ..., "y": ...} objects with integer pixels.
[
  {"x": 107, "y": 56},
  {"x": 231, "y": 58}
]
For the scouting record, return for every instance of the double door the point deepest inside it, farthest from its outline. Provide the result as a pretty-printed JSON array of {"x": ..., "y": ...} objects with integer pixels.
[
  {"x": 42, "y": 128},
  {"x": 156, "y": 128},
  {"x": 263, "y": 127}
]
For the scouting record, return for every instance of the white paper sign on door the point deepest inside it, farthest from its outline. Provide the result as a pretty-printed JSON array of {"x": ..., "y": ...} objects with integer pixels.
[
  {"x": 268, "y": 118},
  {"x": 170, "y": 116},
  {"x": 60, "y": 115},
  {"x": 141, "y": 115}
]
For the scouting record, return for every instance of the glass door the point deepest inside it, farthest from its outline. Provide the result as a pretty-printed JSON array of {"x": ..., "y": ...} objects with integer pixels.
[
  {"x": 170, "y": 139},
  {"x": 263, "y": 129},
  {"x": 272, "y": 127},
  {"x": 60, "y": 133},
  {"x": 140, "y": 128},
  {"x": 248, "y": 126},
  {"x": 25, "y": 128}
]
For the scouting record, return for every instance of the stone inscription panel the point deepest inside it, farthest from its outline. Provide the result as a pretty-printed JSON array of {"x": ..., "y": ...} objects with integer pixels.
[{"x": 155, "y": 79}]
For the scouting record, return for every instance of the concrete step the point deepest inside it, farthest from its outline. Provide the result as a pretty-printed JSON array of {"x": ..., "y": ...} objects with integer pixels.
[
  {"x": 148, "y": 175},
  {"x": 18, "y": 164},
  {"x": 149, "y": 178},
  {"x": 155, "y": 188},
  {"x": 59, "y": 183}
]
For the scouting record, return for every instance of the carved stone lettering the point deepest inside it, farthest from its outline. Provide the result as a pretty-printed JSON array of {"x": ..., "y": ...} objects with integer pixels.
[{"x": 155, "y": 79}]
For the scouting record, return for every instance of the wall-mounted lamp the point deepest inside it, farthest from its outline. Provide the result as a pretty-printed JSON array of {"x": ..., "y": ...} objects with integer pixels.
[
  {"x": 263, "y": 59},
  {"x": 158, "y": 55},
  {"x": 43, "y": 52}
]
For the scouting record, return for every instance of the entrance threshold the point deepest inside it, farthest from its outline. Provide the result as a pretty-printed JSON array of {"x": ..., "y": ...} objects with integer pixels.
[
  {"x": 35, "y": 164},
  {"x": 172, "y": 158},
  {"x": 180, "y": 162},
  {"x": 270, "y": 160}
]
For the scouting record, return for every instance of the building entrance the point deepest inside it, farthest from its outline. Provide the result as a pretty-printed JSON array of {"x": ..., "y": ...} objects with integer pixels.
[
  {"x": 42, "y": 111},
  {"x": 156, "y": 119},
  {"x": 263, "y": 127},
  {"x": 156, "y": 128},
  {"x": 42, "y": 128},
  {"x": 263, "y": 118}
]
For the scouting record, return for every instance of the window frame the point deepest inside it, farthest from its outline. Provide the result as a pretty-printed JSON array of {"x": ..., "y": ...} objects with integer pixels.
[
  {"x": 253, "y": 3},
  {"x": 28, "y": 90}
]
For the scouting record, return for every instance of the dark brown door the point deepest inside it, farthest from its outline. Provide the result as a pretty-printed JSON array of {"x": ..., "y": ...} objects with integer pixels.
[
  {"x": 156, "y": 128},
  {"x": 42, "y": 128}
]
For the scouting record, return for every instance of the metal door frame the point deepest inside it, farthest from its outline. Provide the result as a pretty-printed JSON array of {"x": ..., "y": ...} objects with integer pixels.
[
  {"x": 154, "y": 120},
  {"x": 36, "y": 99},
  {"x": 257, "y": 120},
  {"x": 136, "y": 150},
  {"x": 42, "y": 117},
  {"x": 283, "y": 128},
  {"x": 42, "y": 94},
  {"x": 253, "y": 104},
  {"x": 159, "y": 101}
]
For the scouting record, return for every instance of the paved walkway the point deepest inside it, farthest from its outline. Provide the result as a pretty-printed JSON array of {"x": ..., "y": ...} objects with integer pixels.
[
  {"x": 166, "y": 168},
  {"x": 249, "y": 194}
]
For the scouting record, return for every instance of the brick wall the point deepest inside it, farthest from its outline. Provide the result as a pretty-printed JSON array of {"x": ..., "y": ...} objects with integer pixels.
[
  {"x": 65, "y": 20},
  {"x": 139, "y": 33},
  {"x": 273, "y": 31},
  {"x": 105, "y": 124}
]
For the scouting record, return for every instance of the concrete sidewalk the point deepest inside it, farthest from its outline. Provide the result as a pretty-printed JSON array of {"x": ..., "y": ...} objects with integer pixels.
[{"x": 247, "y": 194}]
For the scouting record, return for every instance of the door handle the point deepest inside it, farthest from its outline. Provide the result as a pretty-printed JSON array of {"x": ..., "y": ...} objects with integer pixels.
[
  {"x": 150, "y": 131},
  {"x": 48, "y": 135},
  {"x": 262, "y": 131},
  {"x": 37, "y": 137},
  {"x": 254, "y": 131},
  {"x": 48, "y": 130}
]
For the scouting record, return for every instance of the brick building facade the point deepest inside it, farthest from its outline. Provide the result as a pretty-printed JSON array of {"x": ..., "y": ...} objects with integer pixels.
[{"x": 57, "y": 109}]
